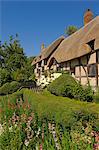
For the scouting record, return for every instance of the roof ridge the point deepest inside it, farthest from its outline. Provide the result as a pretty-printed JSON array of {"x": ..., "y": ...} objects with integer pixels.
[{"x": 82, "y": 28}]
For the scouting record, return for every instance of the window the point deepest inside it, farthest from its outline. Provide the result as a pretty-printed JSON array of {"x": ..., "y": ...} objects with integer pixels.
[
  {"x": 42, "y": 69},
  {"x": 39, "y": 64},
  {"x": 45, "y": 62},
  {"x": 92, "y": 70},
  {"x": 72, "y": 70},
  {"x": 59, "y": 68}
]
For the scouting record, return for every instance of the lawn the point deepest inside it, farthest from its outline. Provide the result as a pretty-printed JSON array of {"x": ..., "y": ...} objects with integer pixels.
[
  {"x": 31, "y": 120},
  {"x": 60, "y": 107}
]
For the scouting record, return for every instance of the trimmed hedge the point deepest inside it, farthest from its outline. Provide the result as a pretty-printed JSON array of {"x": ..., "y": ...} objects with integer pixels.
[
  {"x": 62, "y": 109},
  {"x": 9, "y": 88},
  {"x": 67, "y": 86}
]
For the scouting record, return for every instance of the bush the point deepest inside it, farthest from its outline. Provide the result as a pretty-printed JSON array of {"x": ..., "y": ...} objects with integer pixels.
[
  {"x": 67, "y": 86},
  {"x": 5, "y": 76},
  {"x": 5, "y": 89},
  {"x": 26, "y": 122},
  {"x": 96, "y": 96},
  {"x": 29, "y": 83},
  {"x": 9, "y": 88},
  {"x": 14, "y": 86}
]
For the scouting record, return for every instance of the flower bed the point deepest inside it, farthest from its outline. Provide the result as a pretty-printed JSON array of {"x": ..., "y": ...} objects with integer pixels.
[{"x": 23, "y": 127}]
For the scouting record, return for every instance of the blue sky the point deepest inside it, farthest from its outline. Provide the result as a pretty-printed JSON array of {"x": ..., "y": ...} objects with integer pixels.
[{"x": 39, "y": 21}]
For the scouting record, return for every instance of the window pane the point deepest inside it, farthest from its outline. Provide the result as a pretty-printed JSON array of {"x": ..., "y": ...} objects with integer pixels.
[{"x": 92, "y": 70}]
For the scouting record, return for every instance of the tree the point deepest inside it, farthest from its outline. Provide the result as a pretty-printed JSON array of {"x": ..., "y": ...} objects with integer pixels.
[
  {"x": 70, "y": 30},
  {"x": 14, "y": 55},
  {"x": 4, "y": 76},
  {"x": 25, "y": 73},
  {"x": 14, "y": 62}
]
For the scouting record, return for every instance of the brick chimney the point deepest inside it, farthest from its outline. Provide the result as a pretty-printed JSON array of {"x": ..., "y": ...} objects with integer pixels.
[{"x": 88, "y": 16}]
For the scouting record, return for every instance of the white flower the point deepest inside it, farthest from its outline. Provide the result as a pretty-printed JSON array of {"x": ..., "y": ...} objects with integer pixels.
[
  {"x": 1, "y": 129},
  {"x": 38, "y": 132},
  {"x": 10, "y": 128},
  {"x": 26, "y": 142}
]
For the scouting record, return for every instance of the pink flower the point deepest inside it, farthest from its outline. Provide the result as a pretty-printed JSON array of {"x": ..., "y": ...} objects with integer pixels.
[
  {"x": 30, "y": 118},
  {"x": 97, "y": 138},
  {"x": 92, "y": 133},
  {"x": 41, "y": 148},
  {"x": 96, "y": 146}
]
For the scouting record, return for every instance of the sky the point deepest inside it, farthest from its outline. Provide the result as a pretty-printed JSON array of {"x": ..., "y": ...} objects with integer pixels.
[{"x": 41, "y": 21}]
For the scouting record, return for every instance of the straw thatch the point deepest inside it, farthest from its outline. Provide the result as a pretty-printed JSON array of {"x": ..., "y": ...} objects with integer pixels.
[
  {"x": 48, "y": 51},
  {"x": 76, "y": 45},
  {"x": 96, "y": 44}
]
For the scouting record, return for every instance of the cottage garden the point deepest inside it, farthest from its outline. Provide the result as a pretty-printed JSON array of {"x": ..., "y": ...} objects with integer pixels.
[{"x": 63, "y": 116}]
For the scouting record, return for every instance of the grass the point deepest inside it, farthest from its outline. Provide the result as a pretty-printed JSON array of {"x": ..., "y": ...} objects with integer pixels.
[
  {"x": 61, "y": 108},
  {"x": 56, "y": 117}
]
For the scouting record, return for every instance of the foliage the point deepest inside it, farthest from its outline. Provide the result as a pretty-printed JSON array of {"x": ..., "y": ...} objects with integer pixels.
[
  {"x": 70, "y": 30},
  {"x": 26, "y": 123},
  {"x": 61, "y": 108},
  {"x": 9, "y": 88},
  {"x": 14, "y": 86},
  {"x": 20, "y": 75},
  {"x": 14, "y": 65},
  {"x": 96, "y": 96},
  {"x": 66, "y": 86},
  {"x": 13, "y": 54},
  {"x": 4, "y": 76}
]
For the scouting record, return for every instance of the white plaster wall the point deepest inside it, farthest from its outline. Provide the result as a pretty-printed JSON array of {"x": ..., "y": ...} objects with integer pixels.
[
  {"x": 84, "y": 81},
  {"x": 42, "y": 63},
  {"x": 77, "y": 79},
  {"x": 77, "y": 73},
  {"x": 83, "y": 71},
  {"x": 92, "y": 81},
  {"x": 92, "y": 58},
  {"x": 54, "y": 67},
  {"x": 37, "y": 65},
  {"x": 35, "y": 70},
  {"x": 67, "y": 68},
  {"x": 45, "y": 67}
]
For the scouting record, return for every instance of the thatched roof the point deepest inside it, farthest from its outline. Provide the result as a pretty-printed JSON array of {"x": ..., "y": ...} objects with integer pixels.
[
  {"x": 76, "y": 45},
  {"x": 48, "y": 51}
]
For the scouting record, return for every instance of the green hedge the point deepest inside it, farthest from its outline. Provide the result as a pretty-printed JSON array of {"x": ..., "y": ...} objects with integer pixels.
[
  {"x": 62, "y": 109},
  {"x": 73, "y": 121},
  {"x": 9, "y": 88},
  {"x": 67, "y": 86}
]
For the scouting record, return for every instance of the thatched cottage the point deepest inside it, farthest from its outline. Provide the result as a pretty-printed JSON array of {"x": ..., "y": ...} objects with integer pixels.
[{"x": 78, "y": 54}]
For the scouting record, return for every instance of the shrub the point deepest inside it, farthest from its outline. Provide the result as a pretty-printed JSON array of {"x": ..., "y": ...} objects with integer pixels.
[
  {"x": 67, "y": 86},
  {"x": 9, "y": 88},
  {"x": 5, "y": 89},
  {"x": 96, "y": 96},
  {"x": 14, "y": 86},
  {"x": 44, "y": 120},
  {"x": 29, "y": 83},
  {"x": 5, "y": 76}
]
